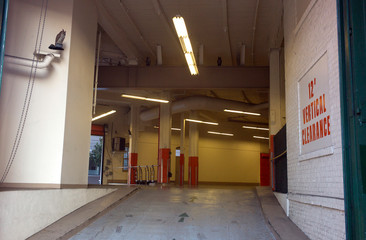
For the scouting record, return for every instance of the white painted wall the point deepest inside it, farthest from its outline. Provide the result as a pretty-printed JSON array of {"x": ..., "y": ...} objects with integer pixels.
[
  {"x": 315, "y": 180},
  {"x": 283, "y": 201},
  {"x": 39, "y": 155},
  {"x": 75, "y": 159},
  {"x": 55, "y": 142},
  {"x": 24, "y": 213},
  {"x": 275, "y": 122}
]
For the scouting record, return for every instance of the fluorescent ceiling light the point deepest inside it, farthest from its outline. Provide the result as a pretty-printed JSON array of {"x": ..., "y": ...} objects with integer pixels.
[
  {"x": 156, "y": 100},
  {"x": 199, "y": 121},
  {"x": 241, "y": 112},
  {"x": 192, "y": 69},
  {"x": 103, "y": 115},
  {"x": 256, "y": 128},
  {"x": 218, "y": 133},
  {"x": 185, "y": 43},
  {"x": 134, "y": 97},
  {"x": 174, "y": 129},
  {"x": 188, "y": 45},
  {"x": 145, "y": 98},
  {"x": 261, "y": 137},
  {"x": 189, "y": 59},
  {"x": 180, "y": 26}
]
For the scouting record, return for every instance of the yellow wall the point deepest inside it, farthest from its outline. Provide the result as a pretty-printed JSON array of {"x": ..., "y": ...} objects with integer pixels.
[
  {"x": 148, "y": 149},
  {"x": 226, "y": 160},
  {"x": 117, "y": 127},
  {"x": 221, "y": 158}
]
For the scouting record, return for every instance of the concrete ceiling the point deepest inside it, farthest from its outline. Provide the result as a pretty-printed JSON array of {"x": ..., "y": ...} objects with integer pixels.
[
  {"x": 132, "y": 30},
  {"x": 220, "y": 26}
]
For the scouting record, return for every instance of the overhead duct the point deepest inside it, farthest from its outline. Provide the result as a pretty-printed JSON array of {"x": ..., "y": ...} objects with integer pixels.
[{"x": 202, "y": 103}]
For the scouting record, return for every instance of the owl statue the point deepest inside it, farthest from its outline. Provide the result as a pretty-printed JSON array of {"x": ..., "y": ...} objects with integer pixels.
[{"x": 59, "y": 40}]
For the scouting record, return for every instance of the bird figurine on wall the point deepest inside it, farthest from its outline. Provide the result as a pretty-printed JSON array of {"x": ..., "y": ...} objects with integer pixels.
[
  {"x": 219, "y": 61},
  {"x": 148, "y": 61},
  {"x": 59, "y": 40}
]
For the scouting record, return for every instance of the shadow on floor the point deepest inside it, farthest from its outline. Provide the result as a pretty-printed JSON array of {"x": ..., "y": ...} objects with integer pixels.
[{"x": 281, "y": 225}]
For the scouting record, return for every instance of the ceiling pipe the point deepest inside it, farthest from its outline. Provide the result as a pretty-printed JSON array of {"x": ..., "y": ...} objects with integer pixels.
[{"x": 203, "y": 103}]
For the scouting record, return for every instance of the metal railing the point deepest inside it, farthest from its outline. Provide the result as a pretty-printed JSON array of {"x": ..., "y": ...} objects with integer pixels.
[{"x": 144, "y": 174}]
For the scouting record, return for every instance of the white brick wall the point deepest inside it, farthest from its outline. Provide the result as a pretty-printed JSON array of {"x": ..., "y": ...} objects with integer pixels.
[
  {"x": 329, "y": 222},
  {"x": 315, "y": 181}
]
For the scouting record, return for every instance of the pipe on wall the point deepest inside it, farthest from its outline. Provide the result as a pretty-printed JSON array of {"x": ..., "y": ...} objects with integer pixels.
[
  {"x": 203, "y": 103},
  {"x": 96, "y": 73},
  {"x": 28, "y": 62},
  {"x": 2, "y": 37}
]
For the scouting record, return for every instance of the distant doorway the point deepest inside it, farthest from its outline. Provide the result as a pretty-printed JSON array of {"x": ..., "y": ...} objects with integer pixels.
[
  {"x": 265, "y": 176},
  {"x": 96, "y": 155}
]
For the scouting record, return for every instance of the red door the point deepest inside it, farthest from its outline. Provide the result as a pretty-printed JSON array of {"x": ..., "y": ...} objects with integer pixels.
[{"x": 265, "y": 170}]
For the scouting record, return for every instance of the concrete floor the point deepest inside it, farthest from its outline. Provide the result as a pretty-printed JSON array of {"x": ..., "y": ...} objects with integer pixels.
[{"x": 183, "y": 213}]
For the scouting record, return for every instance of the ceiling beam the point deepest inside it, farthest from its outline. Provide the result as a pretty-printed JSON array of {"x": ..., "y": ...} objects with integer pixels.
[
  {"x": 111, "y": 27},
  {"x": 167, "y": 24},
  {"x": 244, "y": 122},
  {"x": 226, "y": 30},
  {"x": 180, "y": 78},
  {"x": 214, "y": 94},
  {"x": 246, "y": 99},
  {"x": 132, "y": 22},
  {"x": 254, "y": 28}
]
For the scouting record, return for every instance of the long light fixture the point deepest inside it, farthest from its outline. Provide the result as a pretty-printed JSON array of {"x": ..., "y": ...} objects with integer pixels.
[
  {"x": 182, "y": 33},
  {"x": 199, "y": 121},
  {"x": 266, "y": 138},
  {"x": 256, "y": 128},
  {"x": 219, "y": 133},
  {"x": 174, "y": 129},
  {"x": 103, "y": 115},
  {"x": 241, "y": 112},
  {"x": 145, "y": 98}
]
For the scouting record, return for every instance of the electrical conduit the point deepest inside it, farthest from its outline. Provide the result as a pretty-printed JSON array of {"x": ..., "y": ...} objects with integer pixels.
[{"x": 2, "y": 37}]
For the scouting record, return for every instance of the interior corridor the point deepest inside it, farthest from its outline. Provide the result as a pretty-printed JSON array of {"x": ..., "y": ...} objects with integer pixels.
[{"x": 207, "y": 212}]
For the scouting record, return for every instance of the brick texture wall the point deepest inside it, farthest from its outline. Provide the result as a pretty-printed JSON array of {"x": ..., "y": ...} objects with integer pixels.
[{"x": 315, "y": 180}]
